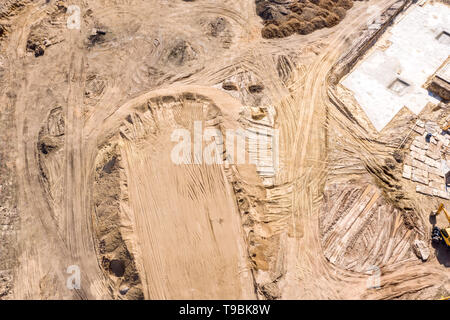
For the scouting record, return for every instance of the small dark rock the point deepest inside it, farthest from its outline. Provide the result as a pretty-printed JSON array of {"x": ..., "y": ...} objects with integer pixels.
[
  {"x": 39, "y": 51},
  {"x": 229, "y": 86},
  {"x": 398, "y": 156},
  {"x": 117, "y": 267},
  {"x": 108, "y": 167},
  {"x": 389, "y": 163},
  {"x": 256, "y": 88},
  {"x": 124, "y": 289},
  {"x": 97, "y": 36}
]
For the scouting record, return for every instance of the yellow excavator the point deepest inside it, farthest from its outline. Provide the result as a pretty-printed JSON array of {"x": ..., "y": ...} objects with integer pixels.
[
  {"x": 439, "y": 234},
  {"x": 446, "y": 127}
]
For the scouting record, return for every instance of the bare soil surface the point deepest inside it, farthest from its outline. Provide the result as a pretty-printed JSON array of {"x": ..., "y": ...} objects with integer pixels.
[{"x": 87, "y": 179}]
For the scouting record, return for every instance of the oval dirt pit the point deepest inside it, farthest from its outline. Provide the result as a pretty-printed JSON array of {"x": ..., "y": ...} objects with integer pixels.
[{"x": 185, "y": 234}]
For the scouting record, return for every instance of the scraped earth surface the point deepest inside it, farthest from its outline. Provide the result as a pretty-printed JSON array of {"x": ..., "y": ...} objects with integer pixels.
[{"x": 87, "y": 177}]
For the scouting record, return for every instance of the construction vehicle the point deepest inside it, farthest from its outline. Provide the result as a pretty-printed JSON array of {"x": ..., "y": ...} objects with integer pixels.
[
  {"x": 446, "y": 127},
  {"x": 439, "y": 234}
]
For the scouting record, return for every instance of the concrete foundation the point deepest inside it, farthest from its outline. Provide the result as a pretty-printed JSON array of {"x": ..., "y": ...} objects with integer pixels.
[{"x": 394, "y": 73}]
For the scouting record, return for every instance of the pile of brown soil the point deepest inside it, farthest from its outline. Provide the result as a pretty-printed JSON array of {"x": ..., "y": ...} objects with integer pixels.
[{"x": 301, "y": 16}]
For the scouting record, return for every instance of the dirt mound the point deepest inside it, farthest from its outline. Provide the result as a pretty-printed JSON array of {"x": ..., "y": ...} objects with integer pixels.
[
  {"x": 181, "y": 53},
  {"x": 45, "y": 32},
  {"x": 302, "y": 17},
  {"x": 36, "y": 41},
  {"x": 116, "y": 260},
  {"x": 12, "y": 7},
  {"x": 219, "y": 28}
]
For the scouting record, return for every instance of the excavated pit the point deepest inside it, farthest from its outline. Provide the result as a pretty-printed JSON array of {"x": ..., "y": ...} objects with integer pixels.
[{"x": 185, "y": 235}]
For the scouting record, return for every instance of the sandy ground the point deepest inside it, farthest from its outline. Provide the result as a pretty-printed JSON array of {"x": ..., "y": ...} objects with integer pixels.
[{"x": 90, "y": 123}]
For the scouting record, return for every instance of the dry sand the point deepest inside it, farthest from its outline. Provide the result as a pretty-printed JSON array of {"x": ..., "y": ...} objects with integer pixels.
[{"x": 88, "y": 180}]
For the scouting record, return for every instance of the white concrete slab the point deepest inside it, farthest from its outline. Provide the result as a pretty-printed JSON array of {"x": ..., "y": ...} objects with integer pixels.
[{"x": 388, "y": 80}]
